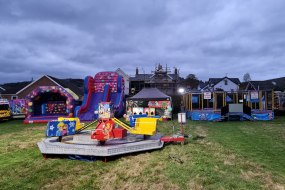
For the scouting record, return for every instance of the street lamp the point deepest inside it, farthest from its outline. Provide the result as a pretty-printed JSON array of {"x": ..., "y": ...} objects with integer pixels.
[{"x": 181, "y": 90}]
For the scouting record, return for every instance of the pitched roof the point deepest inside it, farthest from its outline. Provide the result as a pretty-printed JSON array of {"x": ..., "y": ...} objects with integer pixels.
[
  {"x": 76, "y": 85},
  {"x": 173, "y": 76},
  {"x": 13, "y": 88},
  {"x": 202, "y": 84},
  {"x": 2, "y": 90},
  {"x": 279, "y": 83},
  {"x": 141, "y": 77},
  {"x": 150, "y": 94},
  {"x": 258, "y": 85},
  {"x": 215, "y": 81}
]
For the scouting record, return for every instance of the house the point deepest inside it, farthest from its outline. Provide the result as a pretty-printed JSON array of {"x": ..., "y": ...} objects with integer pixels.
[
  {"x": 257, "y": 85},
  {"x": 126, "y": 79},
  {"x": 11, "y": 89},
  {"x": 2, "y": 90},
  {"x": 277, "y": 84},
  {"x": 202, "y": 85},
  {"x": 222, "y": 84},
  {"x": 161, "y": 78},
  {"x": 21, "y": 89}
]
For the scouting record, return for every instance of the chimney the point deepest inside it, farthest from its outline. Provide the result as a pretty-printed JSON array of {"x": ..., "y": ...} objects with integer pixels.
[
  {"x": 137, "y": 71},
  {"x": 175, "y": 71}
]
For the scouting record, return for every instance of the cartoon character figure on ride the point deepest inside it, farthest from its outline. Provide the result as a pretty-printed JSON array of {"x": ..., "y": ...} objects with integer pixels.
[{"x": 105, "y": 129}]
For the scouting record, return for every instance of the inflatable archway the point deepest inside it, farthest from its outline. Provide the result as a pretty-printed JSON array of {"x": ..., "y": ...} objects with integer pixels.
[{"x": 48, "y": 102}]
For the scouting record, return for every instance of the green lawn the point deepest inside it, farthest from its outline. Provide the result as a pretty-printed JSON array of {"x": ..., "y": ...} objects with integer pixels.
[{"x": 219, "y": 155}]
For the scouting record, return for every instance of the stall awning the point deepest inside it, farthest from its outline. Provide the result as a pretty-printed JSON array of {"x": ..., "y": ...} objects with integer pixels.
[{"x": 150, "y": 94}]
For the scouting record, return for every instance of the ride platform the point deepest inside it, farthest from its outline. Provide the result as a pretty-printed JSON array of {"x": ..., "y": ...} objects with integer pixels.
[{"x": 82, "y": 144}]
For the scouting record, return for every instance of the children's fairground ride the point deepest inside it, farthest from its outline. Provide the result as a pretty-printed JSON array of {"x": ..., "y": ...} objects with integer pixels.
[
  {"x": 111, "y": 136},
  {"x": 236, "y": 105}
]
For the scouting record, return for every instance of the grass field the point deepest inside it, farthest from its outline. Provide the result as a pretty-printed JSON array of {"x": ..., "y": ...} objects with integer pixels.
[{"x": 219, "y": 155}]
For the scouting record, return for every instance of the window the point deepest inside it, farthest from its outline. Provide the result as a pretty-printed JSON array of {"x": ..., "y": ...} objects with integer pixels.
[{"x": 226, "y": 82}]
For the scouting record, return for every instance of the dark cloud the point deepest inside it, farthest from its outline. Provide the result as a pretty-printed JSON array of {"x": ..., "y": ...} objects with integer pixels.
[{"x": 72, "y": 38}]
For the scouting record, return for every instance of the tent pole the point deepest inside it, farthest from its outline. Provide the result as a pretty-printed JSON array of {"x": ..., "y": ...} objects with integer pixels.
[
  {"x": 248, "y": 102},
  {"x": 260, "y": 100},
  {"x": 186, "y": 101},
  {"x": 207, "y": 103},
  {"x": 223, "y": 99},
  {"x": 202, "y": 101},
  {"x": 214, "y": 101},
  {"x": 199, "y": 101},
  {"x": 264, "y": 104},
  {"x": 272, "y": 107},
  {"x": 191, "y": 101}
]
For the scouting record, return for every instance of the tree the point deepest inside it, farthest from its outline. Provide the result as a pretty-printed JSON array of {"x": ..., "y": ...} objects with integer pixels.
[
  {"x": 246, "y": 77},
  {"x": 191, "y": 81},
  {"x": 192, "y": 77}
]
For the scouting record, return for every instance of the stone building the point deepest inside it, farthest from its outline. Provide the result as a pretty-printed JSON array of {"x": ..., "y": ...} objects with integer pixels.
[{"x": 161, "y": 78}]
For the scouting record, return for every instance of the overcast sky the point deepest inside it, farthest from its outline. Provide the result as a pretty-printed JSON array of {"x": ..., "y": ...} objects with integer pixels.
[{"x": 73, "y": 39}]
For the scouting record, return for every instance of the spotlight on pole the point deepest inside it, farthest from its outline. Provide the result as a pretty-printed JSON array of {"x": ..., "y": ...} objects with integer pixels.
[{"x": 181, "y": 90}]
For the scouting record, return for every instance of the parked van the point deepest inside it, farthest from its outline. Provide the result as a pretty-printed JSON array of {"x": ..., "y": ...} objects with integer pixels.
[{"x": 5, "y": 112}]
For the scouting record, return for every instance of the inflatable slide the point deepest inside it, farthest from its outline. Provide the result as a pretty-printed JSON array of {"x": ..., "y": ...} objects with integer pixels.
[{"x": 104, "y": 87}]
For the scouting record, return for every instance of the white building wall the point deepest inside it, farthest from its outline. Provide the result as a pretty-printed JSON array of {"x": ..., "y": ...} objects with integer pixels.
[
  {"x": 229, "y": 87},
  {"x": 127, "y": 85}
]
